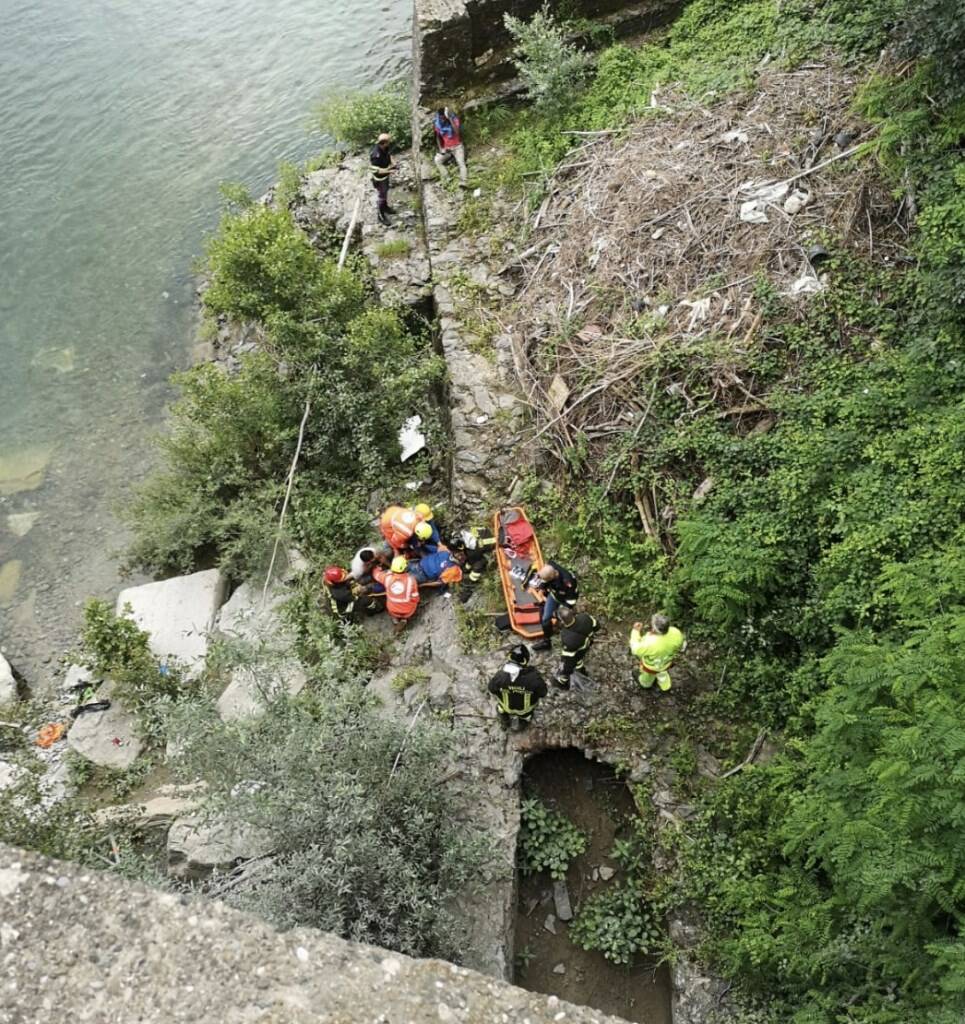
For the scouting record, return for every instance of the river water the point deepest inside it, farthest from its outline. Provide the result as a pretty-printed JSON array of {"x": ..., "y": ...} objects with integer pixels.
[{"x": 118, "y": 120}]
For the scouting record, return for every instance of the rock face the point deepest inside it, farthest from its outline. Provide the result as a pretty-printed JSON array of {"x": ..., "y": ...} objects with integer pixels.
[
  {"x": 106, "y": 738},
  {"x": 484, "y": 773},
  {"x": 178, "y": 613},
  {"x": 461, "y": 45},
  {"x": 196, "y": 846},
  {"x": 397, "y": 255},
  {"x": 8, "y": 685},
  {"x": 257, "y": 624},
  {"x": 152, "y": 949}
]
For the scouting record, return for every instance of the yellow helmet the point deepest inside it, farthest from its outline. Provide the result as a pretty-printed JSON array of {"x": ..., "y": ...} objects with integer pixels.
[
  {"x": 423, "y": 509},
  {"x": 423, "y": 531},
  {"x": 399, "y": 564}
]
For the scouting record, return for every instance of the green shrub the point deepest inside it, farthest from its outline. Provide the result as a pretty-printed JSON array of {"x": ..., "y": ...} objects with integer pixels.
[
  {"x": 113, "y": 647},
  {"x": 376, "y": 853},
  {"x": 619, "y": 923},
  {"x": 358, "y": 118},
  {"x": 233, "y": 435},
  {"x": 551, "y": 68},
  {"x": 548, "y": 840}
]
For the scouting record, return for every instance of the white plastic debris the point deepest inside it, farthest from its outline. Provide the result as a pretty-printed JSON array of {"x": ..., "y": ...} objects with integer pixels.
[
  {"x": 482, "y": 419},
  {"x": 658, "y": 233},
  {"x": 414, "y": 485},
  {"x": 476, "y": 193},
  {"x": 699, "y": 311},
  {"x": 806, "y": 285},
  {"x": 411, "y": 438},
  {"x": 752, "y": 212},
  {"x": 734, "y": 136},
  {"x": 765, "y": 191},
  {"x": 796, "y": 201}
]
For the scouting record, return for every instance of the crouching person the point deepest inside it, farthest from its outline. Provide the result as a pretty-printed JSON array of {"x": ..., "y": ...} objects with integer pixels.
[
  {"x": 439, "y": 567},
  {"x": 341, "y": 591},
  {"x": 401, "y": 591},
  {"x": 518, "y": 687}
]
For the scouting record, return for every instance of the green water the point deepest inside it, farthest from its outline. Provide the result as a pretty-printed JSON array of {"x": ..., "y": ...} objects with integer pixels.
[{"x": 117, "y": 122}]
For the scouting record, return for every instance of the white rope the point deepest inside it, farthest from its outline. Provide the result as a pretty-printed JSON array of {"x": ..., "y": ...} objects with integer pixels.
[{"x": 301, "y": 429}]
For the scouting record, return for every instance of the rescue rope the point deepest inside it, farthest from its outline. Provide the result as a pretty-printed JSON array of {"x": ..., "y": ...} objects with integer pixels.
[{"x": 301, "y": 429}]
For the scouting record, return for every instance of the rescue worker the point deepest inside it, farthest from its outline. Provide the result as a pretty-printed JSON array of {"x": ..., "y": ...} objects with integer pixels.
[
  {"x": 656, "y": 650},
  {"x": 518, "y": 687},
  {"x": 474, "y": 545},
  {"x": 398, "y": 526},
  {"x": 576, "y": 638},
  {"x": 427, "y": 517},
  {"x": 382, "y": 167},
  {"x": 341, "y": 593},
  {"x": 422, "y": 544},
  {"x": 558, "y": 586},
  {"x": 401, "y": 591},
  {"x": 448, "y": 131}
]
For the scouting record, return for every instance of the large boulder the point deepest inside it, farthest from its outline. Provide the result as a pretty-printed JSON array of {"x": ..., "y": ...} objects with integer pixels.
[
  {"x": 106, "y": 738},
  {"x": 197, "y": 845},
  {"x": 8, "y": 684},
  {"x": 253, "y": 620},
  {"x": 251, "y": 687},
  {"x": 178, "y": 614}
]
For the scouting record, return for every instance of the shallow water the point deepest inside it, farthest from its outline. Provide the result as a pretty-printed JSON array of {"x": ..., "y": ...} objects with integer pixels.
[{"x": 117, "y": 122}]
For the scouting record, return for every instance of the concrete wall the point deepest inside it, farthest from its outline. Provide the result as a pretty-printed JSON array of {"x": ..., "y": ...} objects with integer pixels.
[
  {"x": 80, "y": 945},
  {"x": 461, "y": 47}
]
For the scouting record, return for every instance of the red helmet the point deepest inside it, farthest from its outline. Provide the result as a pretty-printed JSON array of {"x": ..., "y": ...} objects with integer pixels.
[{"x": 335, "y": 574}]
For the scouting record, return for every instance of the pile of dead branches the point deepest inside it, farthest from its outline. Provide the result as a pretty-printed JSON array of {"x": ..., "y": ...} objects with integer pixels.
[{"x": 660, "y": 234}]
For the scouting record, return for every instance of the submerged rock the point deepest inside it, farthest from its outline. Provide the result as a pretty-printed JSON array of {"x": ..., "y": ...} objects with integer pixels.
[{"x": 23, "y": 470}]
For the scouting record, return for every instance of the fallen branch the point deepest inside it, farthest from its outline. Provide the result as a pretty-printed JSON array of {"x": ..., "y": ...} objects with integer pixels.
[{"x": 754, "y": 751}]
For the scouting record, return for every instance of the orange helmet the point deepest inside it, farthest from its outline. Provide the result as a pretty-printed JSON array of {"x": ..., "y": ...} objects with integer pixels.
[{"x": 335, "y": 574}]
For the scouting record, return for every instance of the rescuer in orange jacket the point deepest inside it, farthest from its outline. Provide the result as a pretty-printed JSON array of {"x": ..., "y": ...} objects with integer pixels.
[
  {"x": 401, "y": 591},
  {"x": 398, "y": 526}
]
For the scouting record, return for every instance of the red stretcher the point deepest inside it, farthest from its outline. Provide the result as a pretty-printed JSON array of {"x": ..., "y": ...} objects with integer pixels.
[{"x": 518, "y": 552}]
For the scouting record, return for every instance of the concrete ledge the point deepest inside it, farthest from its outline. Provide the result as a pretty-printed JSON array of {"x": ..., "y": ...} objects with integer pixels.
[{"x": 79, "y": 945}]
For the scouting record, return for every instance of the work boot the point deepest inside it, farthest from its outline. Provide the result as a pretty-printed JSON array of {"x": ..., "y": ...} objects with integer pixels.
[
  {"x": 563, "y": 682},
  {"x": 543, "y": 645},
  {"x": 383, "y": 219}
]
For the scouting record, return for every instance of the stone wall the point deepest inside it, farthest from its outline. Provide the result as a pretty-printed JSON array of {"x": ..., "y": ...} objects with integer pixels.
[{"x": 461, "y": 47}]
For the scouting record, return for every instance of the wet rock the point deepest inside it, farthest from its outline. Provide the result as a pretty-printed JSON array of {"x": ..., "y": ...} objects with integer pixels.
[
  {"x": 8, "y": 685},
  {"x": 561, "y": 901},
  {"x": 106, "y": 738},
  {"x": 178, "y": 614}
]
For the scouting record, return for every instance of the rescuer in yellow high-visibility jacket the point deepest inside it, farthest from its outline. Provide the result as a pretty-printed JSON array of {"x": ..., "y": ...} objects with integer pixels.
[{"x": 656, "y": 650}]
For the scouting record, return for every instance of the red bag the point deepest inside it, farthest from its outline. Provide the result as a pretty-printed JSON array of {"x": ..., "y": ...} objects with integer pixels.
[{"x": 519, "y": 537}]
